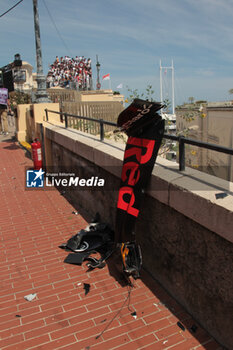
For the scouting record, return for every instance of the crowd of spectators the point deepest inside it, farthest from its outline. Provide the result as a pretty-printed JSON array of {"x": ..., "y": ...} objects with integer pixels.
[{"x": 69, "y": 72}]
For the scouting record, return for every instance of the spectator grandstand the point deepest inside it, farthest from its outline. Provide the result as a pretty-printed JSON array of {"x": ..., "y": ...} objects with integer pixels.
[{"x": 74, "y": 73}]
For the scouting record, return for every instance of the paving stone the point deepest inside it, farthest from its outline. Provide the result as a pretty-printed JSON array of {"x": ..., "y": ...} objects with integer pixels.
[{"x": 32, "y": 225}]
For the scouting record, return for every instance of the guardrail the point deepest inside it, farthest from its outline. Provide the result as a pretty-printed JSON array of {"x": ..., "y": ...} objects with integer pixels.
[{"x": 180, "y": 139}]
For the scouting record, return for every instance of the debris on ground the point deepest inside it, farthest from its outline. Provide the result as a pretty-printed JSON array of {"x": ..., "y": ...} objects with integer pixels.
[
  {"x": 221, "y": 195},
  {"x": 30, "y": 297},
  {"x": 86, "y": 287},
  {"x": 181, "y": 326},
  {"x": 97, "y": 237},
  {"x": 134, "y": 314},
  {"x": 75, "y": 212}
]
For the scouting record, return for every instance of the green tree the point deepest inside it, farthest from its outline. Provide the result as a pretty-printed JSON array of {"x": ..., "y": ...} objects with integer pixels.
[
  {"x": 191, "y": 99},
  {"x": 167, "y": 106},
  {"x": 147, "y": 95}
]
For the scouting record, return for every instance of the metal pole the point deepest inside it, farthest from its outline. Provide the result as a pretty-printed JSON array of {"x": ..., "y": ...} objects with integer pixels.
[
  {"x": 181, "y": 154},
  {"x": 173, "y": 90},
  {"x": 66, "y": 120},
  {"x": 161, "y": 84},
  {"x": 46, "y": 114},
  {"x": 101, "y": 130},
  {"x": 98, "y": 73},
  {"x": 41, "y": 93}
]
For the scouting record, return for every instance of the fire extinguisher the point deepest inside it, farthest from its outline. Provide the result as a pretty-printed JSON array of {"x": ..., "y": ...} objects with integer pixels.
[{"x": 37, "y": 154}]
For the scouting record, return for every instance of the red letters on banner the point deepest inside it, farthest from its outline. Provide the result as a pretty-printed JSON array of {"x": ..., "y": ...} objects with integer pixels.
[{"x": 132, "y": 169}]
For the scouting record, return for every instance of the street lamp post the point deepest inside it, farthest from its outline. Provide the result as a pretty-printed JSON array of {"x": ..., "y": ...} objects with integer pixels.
[
  {"x": 41, "y": 93},
  {"x": 98, "y": 85}
]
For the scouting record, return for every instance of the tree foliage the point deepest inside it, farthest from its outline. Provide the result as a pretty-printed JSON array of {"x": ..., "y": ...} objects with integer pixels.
[
  {"x": 147, "y": 95},
  {"x": 18, "y": 97}
]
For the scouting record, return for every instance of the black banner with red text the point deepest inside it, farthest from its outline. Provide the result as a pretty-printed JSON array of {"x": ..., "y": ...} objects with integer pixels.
[{"x": 145, "y": 129}]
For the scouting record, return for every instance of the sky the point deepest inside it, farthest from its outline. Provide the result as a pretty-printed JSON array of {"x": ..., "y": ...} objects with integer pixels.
[{"x": 130, "y": 38}]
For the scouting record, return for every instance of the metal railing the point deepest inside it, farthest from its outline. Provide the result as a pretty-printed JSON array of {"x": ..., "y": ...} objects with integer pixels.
[
  {"x": 180, "y": 139},
  {"x": 66, "y": 115}
]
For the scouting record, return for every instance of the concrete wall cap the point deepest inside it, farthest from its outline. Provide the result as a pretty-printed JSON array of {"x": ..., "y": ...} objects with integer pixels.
[{"x": 191, "y": 192}]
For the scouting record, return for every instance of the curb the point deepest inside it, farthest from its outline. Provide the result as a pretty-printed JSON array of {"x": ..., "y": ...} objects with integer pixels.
[{"x": 26, "y": 146}]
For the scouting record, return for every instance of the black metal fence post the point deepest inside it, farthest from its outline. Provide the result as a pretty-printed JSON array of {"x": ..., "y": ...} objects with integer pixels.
[
  {"x": 101, "y": 130},
  {"x": 66, "y": 120},
  {"x": 61, "y": 117},
  {"x": 46, "y": 114},
  {"x": 181, "y": 153}
]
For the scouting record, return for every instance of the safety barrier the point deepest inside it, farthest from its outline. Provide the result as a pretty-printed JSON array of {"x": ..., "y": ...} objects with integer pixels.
[{"x": 180, "y": 139}]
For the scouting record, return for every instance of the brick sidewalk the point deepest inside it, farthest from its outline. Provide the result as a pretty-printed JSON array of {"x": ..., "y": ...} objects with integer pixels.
[{"x": 32, "y": 225}]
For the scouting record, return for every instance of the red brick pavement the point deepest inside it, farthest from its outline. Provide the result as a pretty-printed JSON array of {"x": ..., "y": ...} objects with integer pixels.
[{"x": 32, "y": 225}]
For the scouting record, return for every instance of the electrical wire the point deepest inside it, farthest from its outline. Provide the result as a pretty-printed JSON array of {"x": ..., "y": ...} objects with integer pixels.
[
  {"x": 55, "y": 26},
  {"x": 115, "y": 316},
  {"x": 10, "y": 8}
]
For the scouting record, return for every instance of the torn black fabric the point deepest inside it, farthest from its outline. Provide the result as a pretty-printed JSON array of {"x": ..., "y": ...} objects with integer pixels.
[
  {"x": 76, "y": 258},
  {"x": 96, "y": 238}
]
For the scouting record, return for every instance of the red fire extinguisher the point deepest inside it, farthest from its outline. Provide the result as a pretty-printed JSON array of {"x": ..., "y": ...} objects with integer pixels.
[{"x": 37, "y": 154}]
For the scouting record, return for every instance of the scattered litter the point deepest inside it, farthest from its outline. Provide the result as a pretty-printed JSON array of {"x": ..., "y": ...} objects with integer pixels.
[
  {"x": 103, "y": 320},
  {"x": 79, "y": 284},
  {"x": 194, "y": 328},
  {"x": 155, "y": 304},
  {"x": 30, "y": 297},
  {"x": 221, "y": 195},
  {"x": 75, "y": 259},
  {"x": 163, "y": 304},
  {"x": 181, "y": 326},
  {"x": 134, "y": 314},
  {"x": 18, "y": 316},
  {"x": 75, "y": 212},
  {"x": 165, "y": 341},
  {"x": 86, "y": 287},
  {"x": 13, "y": 177}
]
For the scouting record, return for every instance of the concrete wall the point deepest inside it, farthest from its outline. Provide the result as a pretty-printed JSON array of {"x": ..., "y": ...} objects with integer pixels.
[
  {"x": 184, "y": 231},
  {"x": 61, "y": 95},
  {"x": 29, "y": 115}
]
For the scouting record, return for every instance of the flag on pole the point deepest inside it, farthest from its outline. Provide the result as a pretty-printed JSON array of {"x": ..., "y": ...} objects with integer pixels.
[
  {"x": 106, "y": 77},
  {"x": 120, "y": 86}
]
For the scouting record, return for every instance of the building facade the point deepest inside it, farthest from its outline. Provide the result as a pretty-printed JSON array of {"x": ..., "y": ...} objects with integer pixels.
[{"x": 213, "y": 123}]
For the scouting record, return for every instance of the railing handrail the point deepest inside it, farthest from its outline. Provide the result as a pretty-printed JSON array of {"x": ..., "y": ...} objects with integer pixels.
[
  {"x": 181, "y": 139},
  {"x": 82, "y": 117}
]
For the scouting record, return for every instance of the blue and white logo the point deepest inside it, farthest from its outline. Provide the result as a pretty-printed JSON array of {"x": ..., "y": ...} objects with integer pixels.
[{"x": 35, "y": 178}]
